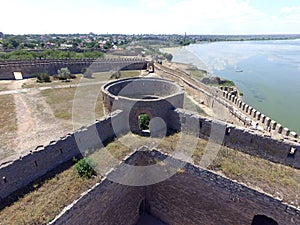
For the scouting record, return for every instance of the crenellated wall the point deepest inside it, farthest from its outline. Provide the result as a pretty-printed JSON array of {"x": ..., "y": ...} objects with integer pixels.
[
  {"x": 21, "y": 170},
  {"x": 29, "y": 67},
  {"x": 238, "y": 138},
  {"x": 227, "y": 106},
  {"x": 38, "y": 162},
  {"x": 24, "y": 169}
]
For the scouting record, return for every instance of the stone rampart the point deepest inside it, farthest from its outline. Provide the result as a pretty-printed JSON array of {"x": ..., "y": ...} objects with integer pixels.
[
  {"x": 227, "y": 106},
  {"x": 191, "y": 196},
  {"x": 239, "y": 138},
  {"x": 21, "y": 170},
  {"x": 107, "y": 203},
  {"x": 28, "y": 68}
]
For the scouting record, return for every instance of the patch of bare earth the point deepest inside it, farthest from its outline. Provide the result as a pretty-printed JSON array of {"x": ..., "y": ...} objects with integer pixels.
[
  {"x": 8, "y": 126},
  {"x": 36, "y": 123}
]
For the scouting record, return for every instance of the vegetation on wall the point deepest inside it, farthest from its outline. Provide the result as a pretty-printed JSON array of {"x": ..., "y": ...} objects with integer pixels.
[
  {"x": 85, "y": 168},
  {"x": 144, "y": 120}
]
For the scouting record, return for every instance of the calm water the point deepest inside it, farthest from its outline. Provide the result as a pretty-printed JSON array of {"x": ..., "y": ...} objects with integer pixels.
[{"x": 270, "y": 79}]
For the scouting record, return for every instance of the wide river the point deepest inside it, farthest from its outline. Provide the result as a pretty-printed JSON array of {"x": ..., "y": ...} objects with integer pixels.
[{"x": 267, "y": 72}]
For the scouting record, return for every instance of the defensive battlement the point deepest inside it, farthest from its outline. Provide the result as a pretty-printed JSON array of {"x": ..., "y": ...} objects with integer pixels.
[
  {"x": 228, "y": 106},
  {"x": 30, "y": 67}
]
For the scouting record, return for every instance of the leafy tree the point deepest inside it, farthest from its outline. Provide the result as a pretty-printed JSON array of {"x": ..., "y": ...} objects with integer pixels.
[
  {"x": 168, "y": 56},
  {"x": 64, "y": 73},
  {"x": 87, "y": 72}
]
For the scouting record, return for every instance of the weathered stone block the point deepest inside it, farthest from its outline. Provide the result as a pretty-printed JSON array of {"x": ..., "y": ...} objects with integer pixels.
[{"x": 286, "y": 131}]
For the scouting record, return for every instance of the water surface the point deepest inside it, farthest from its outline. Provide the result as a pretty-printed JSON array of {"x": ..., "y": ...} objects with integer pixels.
[{"x": 270, "y": 77}]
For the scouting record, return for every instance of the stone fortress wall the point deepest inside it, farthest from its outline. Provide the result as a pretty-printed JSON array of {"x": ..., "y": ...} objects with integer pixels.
[
  {"x": 29, "y": 67},
  {"x": 227, "y": 106},
  {"x": 20, "y": 170},
  {"x": 34, "y": 164},
  {"x": 192, "y": 196}
]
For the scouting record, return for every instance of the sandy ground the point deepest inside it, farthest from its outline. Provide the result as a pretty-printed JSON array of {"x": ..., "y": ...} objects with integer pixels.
[{"x": 36, "y": 124}]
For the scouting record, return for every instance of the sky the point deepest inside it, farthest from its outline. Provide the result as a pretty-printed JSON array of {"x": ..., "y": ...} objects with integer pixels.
[{"x": 150, "y": 16}]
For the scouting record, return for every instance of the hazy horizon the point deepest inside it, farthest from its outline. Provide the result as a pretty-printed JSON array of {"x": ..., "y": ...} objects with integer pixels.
[{"x": 182, "y": 34}]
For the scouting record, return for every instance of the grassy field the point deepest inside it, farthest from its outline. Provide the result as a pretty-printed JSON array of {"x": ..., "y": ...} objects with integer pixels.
[
  {"x": 61, "y": 101},
  {"x": 8, "y": 124},
  {"x": 195, "y": 72},
  {"x": 31, "y": 82},
  {"x": 47, "y": 200},
  {"x": 97, "y": 76}
]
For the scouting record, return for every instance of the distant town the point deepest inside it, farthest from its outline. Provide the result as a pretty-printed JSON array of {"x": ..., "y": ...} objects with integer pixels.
[{"x": 92, "y": 45}]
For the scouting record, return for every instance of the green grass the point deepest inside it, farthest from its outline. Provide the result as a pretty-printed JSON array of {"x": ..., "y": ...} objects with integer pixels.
[
  {"x": 228, "y": 83},
  {"x": 130, "y": 73},
  {"x": 196, "y": 73}
]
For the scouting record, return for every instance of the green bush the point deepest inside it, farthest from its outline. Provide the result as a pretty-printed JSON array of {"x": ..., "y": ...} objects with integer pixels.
[
  {"x": 42, "y": 77},
  {"x": 144, "y": 121},
  {"x": 228, "y": 83},
  {"x": 85, "y": 168},
  {"x": 116, "y": 75},
  {"x": 64, "y": 73},
  {"x": 87, "y": 72}
]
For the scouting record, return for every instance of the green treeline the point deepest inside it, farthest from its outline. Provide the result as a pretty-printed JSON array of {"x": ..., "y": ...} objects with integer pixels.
[{"x": 48, "y": 54}]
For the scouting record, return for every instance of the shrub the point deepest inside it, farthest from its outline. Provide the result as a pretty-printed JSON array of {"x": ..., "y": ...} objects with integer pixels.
[
  {"x": 144, "y": 121},
  {"x": 85, "y": 168},
  {"x": 87, "y": 73},
  {"x": 116, "y": 75},
  {"x": 42, "y": 77},
  {"x": 64, "y": 73}
]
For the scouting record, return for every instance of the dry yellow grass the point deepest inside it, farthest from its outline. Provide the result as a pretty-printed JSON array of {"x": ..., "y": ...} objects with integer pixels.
[
  {"x": 43, "y": 204},
  {"x": 276, "y": 179},
  {"x": 8, "y": 126},
  {"x": 61, "y": 101}
]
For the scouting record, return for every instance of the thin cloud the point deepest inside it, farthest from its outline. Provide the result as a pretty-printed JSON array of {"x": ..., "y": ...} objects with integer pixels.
[{"x": 146, "y": 16}]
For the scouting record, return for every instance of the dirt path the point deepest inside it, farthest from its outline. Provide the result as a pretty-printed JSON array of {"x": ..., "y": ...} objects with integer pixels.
[{"x": 36, "y": 124}]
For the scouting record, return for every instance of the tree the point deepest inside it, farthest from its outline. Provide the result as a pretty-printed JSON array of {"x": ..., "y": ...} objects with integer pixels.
[
  {"x": 42, "y": 77},
  {"x": 168, "y": 56},
  {"x": 87, "y": 72},
  {"x": 64, "y": 73}
]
